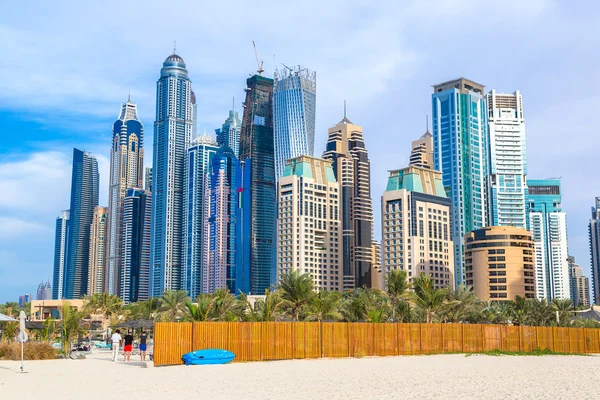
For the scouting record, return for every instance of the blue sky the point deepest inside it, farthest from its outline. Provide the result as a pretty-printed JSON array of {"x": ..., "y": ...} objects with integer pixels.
[{"x": 67, "y": 67}]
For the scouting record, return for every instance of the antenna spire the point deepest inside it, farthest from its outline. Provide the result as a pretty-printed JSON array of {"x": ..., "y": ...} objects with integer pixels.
[
  {"x": 129, "y": 97},
  {"x": 426, "y": 122},
  {"x": 344, "y": 108},
  {"x": 233, "y": 104},
  {"x": 174, "y": 46}
]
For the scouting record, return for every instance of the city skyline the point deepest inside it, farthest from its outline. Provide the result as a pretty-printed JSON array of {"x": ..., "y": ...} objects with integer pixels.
[{"x": 20, "y": 156}]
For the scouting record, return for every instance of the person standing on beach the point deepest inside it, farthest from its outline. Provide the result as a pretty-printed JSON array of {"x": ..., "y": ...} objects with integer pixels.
[
  {"x": 143, "y": 339},
  {"x": 128, "y": 346},
  {"x": 116, "y": 341}
]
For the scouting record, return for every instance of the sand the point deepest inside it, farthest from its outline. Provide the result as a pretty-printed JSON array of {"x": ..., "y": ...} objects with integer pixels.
[{"x": 419, "y": 377}]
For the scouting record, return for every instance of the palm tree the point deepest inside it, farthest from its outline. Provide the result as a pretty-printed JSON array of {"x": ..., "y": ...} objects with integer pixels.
[
  {"x": 397, "y": 287},
  {"x": 226, "y": 307},
  {"x": 296, "y": 290},
  {"x": 460, "y": 304},
  {"x": 427, "y": 298},
  {"x": 268, "y": 309},
  {"x": 541, "y": 313},
  {"x": 72, "y": 326},
  {"x": 353, "y": 306},
  {"x": 520, "y": 311},
  {"x": 103, "y": 304},
  {"x": 48, "y": 332},
  {"x": 564, "y": 308},
  {"x": 496, "y": 312},
  {"x": 172, "y": 304},
  {"x": 201, "y": 309},
  {"x": 325, "y": 305}
]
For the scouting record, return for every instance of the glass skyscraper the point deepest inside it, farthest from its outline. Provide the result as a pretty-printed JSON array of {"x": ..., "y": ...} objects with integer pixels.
[
  {"x": 548, "y": 224},
  {"x": 508, "y": 159},
  {"x": 60, "y": 254},
  {"x": 461, "y": 153},
  {"x": 196, "y": 212},
  {"x": 294, "y": 108},
  {"x": 259, "y": 205},
  {"x": 126, "y": 170},
  {"x": 84, "y": 198},
  {"x": 229, "y": 134},
  {"x": 134, "y": 281},
  {"x": 594, "y": 236},
  {"x": 172, "y": 135},
  {"x": 225, "y": 180}
]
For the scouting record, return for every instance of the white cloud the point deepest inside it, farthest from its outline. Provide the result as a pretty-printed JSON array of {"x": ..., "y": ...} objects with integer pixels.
[{"x": 13, "y": 228}]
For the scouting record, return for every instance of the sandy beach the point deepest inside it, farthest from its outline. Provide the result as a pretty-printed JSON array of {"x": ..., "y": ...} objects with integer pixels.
[{"x": 414, "y": 377}]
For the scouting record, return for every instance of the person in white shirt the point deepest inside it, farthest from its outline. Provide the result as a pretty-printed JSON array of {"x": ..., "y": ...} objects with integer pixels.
[{"x": 116, "y": 342}]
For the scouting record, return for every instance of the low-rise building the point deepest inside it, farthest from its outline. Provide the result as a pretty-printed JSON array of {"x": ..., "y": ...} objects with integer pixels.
[{"x": 499, "y": 263}]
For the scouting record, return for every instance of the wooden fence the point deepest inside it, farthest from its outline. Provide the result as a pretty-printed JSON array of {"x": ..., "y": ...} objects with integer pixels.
[{"x": 261, "y": 341}]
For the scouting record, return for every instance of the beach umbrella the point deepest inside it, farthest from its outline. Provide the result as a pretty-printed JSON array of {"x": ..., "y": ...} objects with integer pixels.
[
  {"x": 6, "y": 318},
  {"x": 22, "y": 337}
]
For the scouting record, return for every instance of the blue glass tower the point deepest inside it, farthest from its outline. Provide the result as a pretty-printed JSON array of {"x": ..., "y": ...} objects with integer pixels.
[
  {"x": 196, "y": 212},
  {"x": 172, "y": 135},
  {"x": 84, "y": 198},
  {"x": 60, "y": 254},
  {"x": 548, "y": 224},
  {"x": 594, "y": 239},
  {"x": 229, "y": 134},
  {"x": 461, "y": 153},
  {"x": 224, "y": 183},
  {"x": 294, "y": 108},
  {"x": 135, "y": 251},
  {"x": 259, "y": 206}
]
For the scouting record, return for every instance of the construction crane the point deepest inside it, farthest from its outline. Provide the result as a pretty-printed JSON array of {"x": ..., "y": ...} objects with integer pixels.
[{"x": 260, "y": 69}]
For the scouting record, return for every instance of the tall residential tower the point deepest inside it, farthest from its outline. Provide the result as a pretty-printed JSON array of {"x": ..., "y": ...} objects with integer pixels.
[
  {"x": 460, "y": 142},
  {"x": 352, "y": 168},
  {"x": 508, "y": 159},
  {"x": 172, "y": 135},
  {"x": 229, "y": 134},
  {"x": 60, "y": 254},
  {"x": 594, "y": 237},
  {"x": 97, "y": 268},
  {"x": 84, "y": 198},
  {"x": 126, "y": 170},
  {"x": 294, "y": 108}
]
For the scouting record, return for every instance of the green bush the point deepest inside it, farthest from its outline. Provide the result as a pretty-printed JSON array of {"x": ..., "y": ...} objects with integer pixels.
[{"x": 32, "y": 351}]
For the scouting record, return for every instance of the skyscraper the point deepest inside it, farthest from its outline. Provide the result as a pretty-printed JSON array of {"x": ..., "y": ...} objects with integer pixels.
[
  {"x": 508, "y": 159},
  {"x": 126, "y": 170},
  {"x": 44, "y": 291},
  {"x": 61, "y": 243},
  {"x": 135, "y": 274},
  {"x": 148, "y": 179},
  {"x": 259, "y": 205},
  {"x": 225, "y": 179},
  {"x": 594, "y": 237},
  {"x": 172, "y": 135},
  {"x": 84, "y": 198},
  {"x": 548, "y": 224},
  {"x": 580, "y": 285},
  {"x": 460, "y": 142},
  {"x": 294, "y": 108},
  {"x": 309, "y": 226},
  {"x": 97, "y": 265},
  {"x": 416, "y": 225},
  {"x": 229, "y": 134},
  {"x": 422, "y": 151},
  {"x": 196, "y": 212},
  {"x": 352, "y": 168}
]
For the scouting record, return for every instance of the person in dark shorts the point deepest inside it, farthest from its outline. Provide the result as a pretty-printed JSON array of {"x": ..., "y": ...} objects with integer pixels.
[
  {"x": 143, "y": 340},
  {"x": 128, "y": 346}
]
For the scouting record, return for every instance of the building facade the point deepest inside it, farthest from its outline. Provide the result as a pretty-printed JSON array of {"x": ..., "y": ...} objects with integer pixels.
[
  {"x": 135, "y": 271},
  {"x": 84, "y": 198},
  {"x": 417, "y": 226},
  {"x": 294, "y": 110},
  {"x": 259, "y": 204},
  {"x": 461, "y": 151},
  {"x": 196, "y": 212},
  {"x": 352, "y": 168},
  {"x": 98, "y": 251},
  {"x": 126, "y": 170},
  {"x": 225, "y": 180},
  {"x": 309, "y": 225},
  {"x": 44, "y": 291},
  {"x": 148, "y": 179},
  {"x": 499, "y": 263},
  {"x": 580, "y": 285},
  {"x": 172, "y": 136},
  {"x": 61, "y": 235},
  {"x": 548, "y": 224},
  {"x": 508, "y": 159},
  {"x": 422, "y": 151},
  {"x": 594, "y": 238},
  {"x": 229, "y": 134}
]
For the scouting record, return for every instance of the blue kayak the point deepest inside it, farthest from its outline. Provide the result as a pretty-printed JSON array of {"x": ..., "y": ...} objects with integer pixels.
[{"x": 208, "y": 356}]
